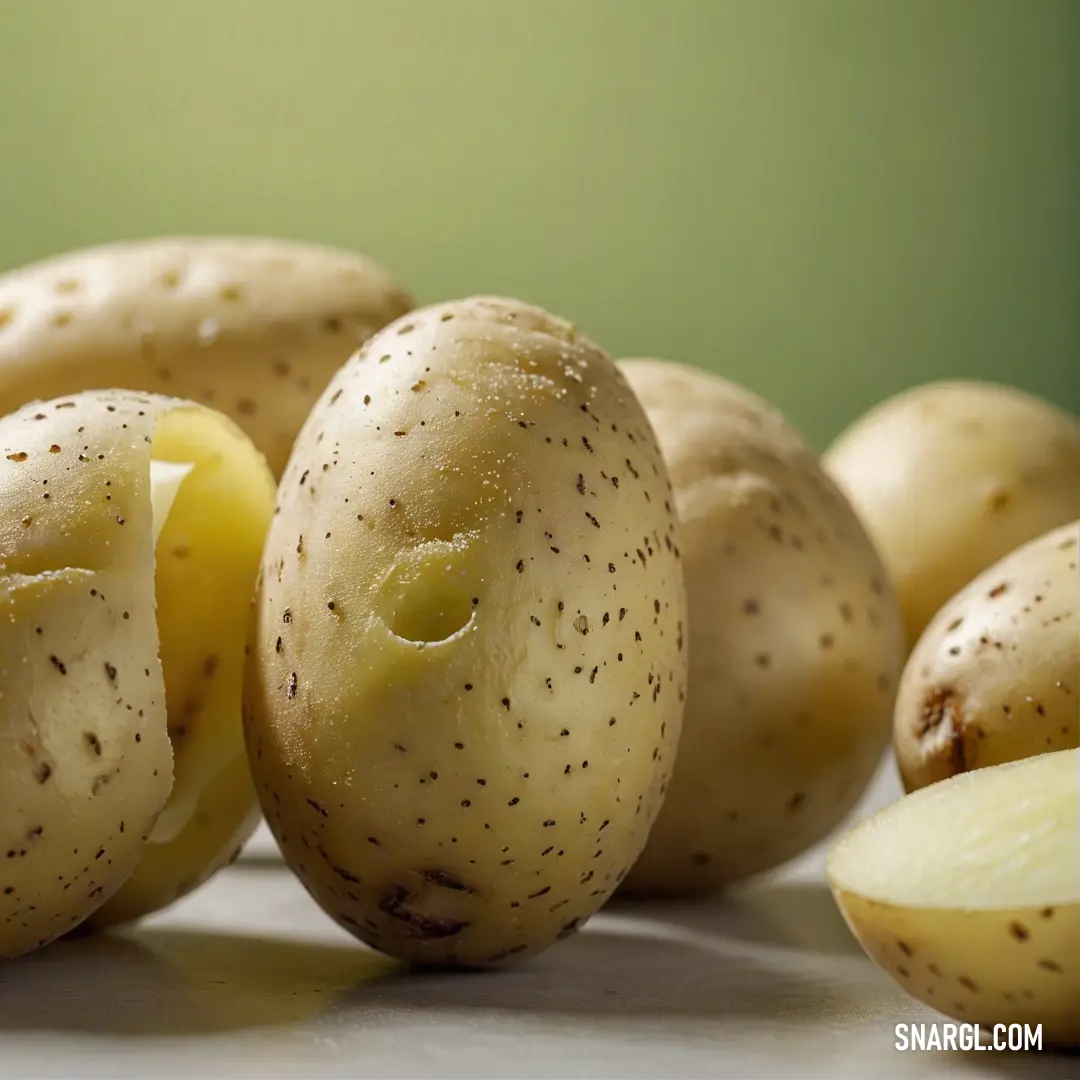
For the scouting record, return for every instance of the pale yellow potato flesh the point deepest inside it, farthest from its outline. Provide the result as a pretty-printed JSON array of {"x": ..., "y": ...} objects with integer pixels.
[
  {"x": 996, "y": 675},
  {"x": 466, "y": 679},
  {"x": 207, "y": 559},
  {"x": 251, "y": 326},
  {"x": 950, "y": 477},
  {"x": 967, "y": 893},
  {"x": 796, "y": 643}
]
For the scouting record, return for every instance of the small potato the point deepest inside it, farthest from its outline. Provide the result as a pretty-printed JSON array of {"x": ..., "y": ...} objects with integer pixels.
[
  {"x": 996, "y": 675},
  {"x": 253, "y": 327},
  {"x": 952, "y": 476},
  {"x": 795, "y": 639},
  {"x": 123, "y": 782},
  {"x": 466, "y": 684},
  {"x": 968, "y": 894}
]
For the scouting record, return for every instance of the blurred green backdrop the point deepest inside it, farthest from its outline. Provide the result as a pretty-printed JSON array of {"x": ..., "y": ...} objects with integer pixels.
[{"x": 825, "y": 199}]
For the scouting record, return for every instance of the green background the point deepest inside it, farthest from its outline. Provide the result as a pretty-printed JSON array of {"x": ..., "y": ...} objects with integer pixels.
[{"x": 827, "y": 200}]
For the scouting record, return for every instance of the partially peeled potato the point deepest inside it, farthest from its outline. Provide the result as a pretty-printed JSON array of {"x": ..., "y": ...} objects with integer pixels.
[{"x": 130, "y": 536}]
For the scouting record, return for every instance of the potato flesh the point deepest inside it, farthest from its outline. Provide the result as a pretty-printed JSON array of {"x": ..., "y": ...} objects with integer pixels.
[
  {"x": 1003, "y": 837},
  {"x": 220, "y": 497}
]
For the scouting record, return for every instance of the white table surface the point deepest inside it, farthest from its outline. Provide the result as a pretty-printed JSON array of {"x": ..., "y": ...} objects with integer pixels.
[{"x": 247, "y": 978}]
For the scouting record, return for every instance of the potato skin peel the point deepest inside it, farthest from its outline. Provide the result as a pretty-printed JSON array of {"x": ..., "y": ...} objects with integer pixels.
[
  {"x": 251, "y": 326},
  {"x": 86, "y": 761},
  {"x": 207, "y": 562},
  {"x": 480, "y": 478}
]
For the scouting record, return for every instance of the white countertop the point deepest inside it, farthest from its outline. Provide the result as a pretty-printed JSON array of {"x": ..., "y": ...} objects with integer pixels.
[{"x": 247, "y": 978}]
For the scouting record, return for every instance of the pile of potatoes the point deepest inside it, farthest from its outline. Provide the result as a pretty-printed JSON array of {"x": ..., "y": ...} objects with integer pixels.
[{"x": 490, "y": 627}]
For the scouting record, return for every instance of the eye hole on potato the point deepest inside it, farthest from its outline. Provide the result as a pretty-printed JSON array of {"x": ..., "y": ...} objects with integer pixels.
[{"x": 428, "y": 596}]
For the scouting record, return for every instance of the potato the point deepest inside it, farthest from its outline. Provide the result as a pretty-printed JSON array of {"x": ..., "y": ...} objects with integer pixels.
[
  {"x": 795, "y": 639},
  {"x": 253, "y": 327},
  {"x": 466, "y": 683},
  {"x": 99, "y": 737},
  {"x": 952, "y": 476},
  {"x": 996, "y": 675},
  {"x": 968, "y": 893}
]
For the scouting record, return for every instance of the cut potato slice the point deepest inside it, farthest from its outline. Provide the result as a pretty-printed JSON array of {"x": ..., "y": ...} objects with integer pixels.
[{"x": 967, "y": 893}]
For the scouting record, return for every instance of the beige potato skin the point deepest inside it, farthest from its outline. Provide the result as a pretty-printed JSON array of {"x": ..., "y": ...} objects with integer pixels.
[
  {"x": 477, "y": 798},
  {"x": 253, "y": 327},
  {"x": 85, "y": 761},
  {"x": 950, "y": 477},
  {"x": 996, "y": 675},
  {"x": 987, "y": 967},
  {"x": 795, "y": 639}
]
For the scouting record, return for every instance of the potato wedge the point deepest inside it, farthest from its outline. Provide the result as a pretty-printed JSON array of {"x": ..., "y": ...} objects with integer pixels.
[{"x": 967, "y": 893}]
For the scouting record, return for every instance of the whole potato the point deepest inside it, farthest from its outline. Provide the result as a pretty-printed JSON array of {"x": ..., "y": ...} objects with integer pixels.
[
  {"x": 113, "y": 759},
  {"x": 967, "y": 893},
  {"x": 465, "y": 689},
  {"x": 996, "y": 675},
  {"x": 950, "y": 477},
  {"x": 251, "y": 326},
  {"x": 795, "y": 639}
]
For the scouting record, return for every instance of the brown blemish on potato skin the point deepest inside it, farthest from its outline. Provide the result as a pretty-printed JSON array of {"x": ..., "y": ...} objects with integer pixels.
[
  {"x": 396, "y": 903},
  {"x": 941, "y": 730}
]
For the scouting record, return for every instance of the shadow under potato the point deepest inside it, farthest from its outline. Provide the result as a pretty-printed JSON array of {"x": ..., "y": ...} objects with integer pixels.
[
  {"x": 163, "y": 982},
  {"x": 645, "y": 969},
  {"x": 797, "y": 915},
  {"x": 160, "y": 981}
]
